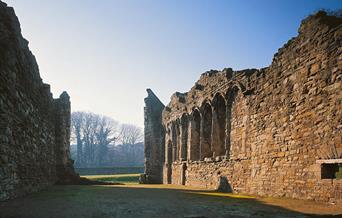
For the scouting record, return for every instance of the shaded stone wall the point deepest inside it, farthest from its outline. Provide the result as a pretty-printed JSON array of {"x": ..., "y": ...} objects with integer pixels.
[
  {"x": 154, "y": 139},
  {"x": 280, "y": 124},
  {"x": 34, "y": 127}
]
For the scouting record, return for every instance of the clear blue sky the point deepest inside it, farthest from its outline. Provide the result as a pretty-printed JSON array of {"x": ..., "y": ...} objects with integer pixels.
[{"x": 105, "y": 53}]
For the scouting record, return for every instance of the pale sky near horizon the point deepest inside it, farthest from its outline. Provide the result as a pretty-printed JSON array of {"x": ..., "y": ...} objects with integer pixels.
[{"x": 106, "y": 53}]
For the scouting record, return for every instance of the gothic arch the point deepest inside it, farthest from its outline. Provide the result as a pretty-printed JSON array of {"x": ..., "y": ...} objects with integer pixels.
[
  {"x": 206, "y": 129},
  {"x": 194, "y": 135},
  {"x": 218, "y": 125}
]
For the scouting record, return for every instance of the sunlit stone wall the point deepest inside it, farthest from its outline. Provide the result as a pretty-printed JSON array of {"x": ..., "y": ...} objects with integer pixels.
[{"x": 274, "y": 131}]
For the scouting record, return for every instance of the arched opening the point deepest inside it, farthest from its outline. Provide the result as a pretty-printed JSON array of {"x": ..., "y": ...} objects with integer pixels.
[
  {"x": 206, "y": 126},
  {"x": 194, "y": 135},
  {"x": 219, "y": 126},
  {"x": 231, "y": 96},
  {"x": 184, "y": 136}
]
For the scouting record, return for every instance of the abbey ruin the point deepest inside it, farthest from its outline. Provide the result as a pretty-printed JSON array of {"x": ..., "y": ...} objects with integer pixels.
[
  {"x": 274, "y": 131},
  {"x": 34, "y": 127}
]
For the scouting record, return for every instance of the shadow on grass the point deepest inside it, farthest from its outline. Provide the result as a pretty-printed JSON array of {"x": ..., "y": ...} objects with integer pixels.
[
  {"x": 143, "y": 201},
  {"x": 262, "y": 208}
]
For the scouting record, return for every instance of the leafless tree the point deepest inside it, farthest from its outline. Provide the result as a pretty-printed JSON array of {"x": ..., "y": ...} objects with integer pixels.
[
  {"x": 93, "y": 134},
  {"x": 130, "y": 134},
  {"x": 106, "y": 134},
  {"x": 76, "y": 136}
]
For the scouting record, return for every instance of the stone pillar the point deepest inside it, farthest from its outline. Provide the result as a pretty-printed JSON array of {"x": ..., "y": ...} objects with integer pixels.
[
  {"x": 215, "y": 134},
  {"x": 183, "y": 173},
  {"x": 228, "y": 129},
  {"x": 178, "y": 141},
  {"x": 168, "y": 161},
  {"x": 154, "y": 139},
  {"x": 190, "y": 139},
  {"x": 202, "y": 140},
  {"x": 184, "y": 139},
  {"x": 64, "y": 165}
]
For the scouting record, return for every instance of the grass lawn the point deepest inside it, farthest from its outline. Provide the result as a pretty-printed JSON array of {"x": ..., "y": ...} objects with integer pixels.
[
  {"x": 158, "y": 200},
  {"x": 118, "y": 178}
]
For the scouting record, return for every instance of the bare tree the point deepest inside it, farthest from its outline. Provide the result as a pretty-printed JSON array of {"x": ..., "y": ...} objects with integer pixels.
[
  {"x": 130, "y": 134},
  {"x": 93, "y": 134},
  {"x": 76, "y": 123},
  {"x": 107, "y": 133}
]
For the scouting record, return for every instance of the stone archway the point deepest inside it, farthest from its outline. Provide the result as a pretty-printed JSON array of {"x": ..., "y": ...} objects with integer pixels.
[
  {"x": 194, "y": 136},
  {"x": 218, "y": 126},
  {"x": 206, "y": 126}
]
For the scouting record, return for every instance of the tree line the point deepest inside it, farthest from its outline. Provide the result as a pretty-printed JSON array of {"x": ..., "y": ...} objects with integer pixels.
[{"x": 102, "y": 141}]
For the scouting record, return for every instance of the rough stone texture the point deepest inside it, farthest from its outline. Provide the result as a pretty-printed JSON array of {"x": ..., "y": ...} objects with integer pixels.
[
  {"x": 264, "y": 130},
  {"x": 34, "y": 127},
  {"x": 154, "y": 152}
]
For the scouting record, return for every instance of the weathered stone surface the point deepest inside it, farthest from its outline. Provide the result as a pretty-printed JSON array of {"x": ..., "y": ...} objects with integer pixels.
[
  {"x": 34, "y": 127},
  {"x": 154, "y": 151},
  {"x": 263, "y": 129}
]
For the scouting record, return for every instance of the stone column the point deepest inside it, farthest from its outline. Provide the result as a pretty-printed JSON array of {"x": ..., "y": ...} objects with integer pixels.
[
  {"x": 228, "y": 129},
  {"x": 154, "y": 139},
  {"x": 64, "y": 164},
  {"x": 215, "y": 134},
  {"x": 178, "y": 140},
  {"x": 184, "y": 139}
]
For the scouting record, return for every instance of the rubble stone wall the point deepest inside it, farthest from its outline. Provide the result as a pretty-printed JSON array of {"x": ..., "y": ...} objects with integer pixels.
[
  {"x": 34, "y": 127},
  {"x": 268, "y": 131},
  {"x": 153, "y": 140}
]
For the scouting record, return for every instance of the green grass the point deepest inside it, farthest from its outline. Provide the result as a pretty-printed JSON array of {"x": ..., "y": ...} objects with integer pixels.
[{"x": 119, "y": 178}]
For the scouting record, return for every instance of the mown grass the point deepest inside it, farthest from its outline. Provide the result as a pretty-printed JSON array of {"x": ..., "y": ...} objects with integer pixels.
[{"x": 119, "y": 178}]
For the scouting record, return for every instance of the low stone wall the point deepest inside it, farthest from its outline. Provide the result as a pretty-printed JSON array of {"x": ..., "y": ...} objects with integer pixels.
[
  {"x": 34, "y": 127},
  {"x": 279, "y": 182}
]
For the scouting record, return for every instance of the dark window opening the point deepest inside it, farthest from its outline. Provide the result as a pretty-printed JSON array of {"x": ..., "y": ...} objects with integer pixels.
[{"x": 331, "y": 171}]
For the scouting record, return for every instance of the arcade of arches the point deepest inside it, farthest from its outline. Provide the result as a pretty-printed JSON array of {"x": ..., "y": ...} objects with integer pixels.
[
  {"x": 201, "y": 134},
  {"x": 274, "y": 131}
]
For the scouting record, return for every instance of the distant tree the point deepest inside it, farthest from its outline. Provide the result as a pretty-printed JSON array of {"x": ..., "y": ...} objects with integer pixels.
[
  {"x": 76, "y": 123},
  {"x": 106, "y": 134},
  {"x": 130, "y": 134},
  {"x": 92, "y": 134}
]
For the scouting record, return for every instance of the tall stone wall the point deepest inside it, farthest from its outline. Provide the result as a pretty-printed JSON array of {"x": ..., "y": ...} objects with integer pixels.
[
  {"x": 153, "y": 140},
  {"x": 34, "y": 127},
  {"x": 274, "y": 131}
]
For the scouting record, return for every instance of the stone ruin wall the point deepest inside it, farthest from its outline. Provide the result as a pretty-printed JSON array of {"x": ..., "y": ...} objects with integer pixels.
[
  {"x": 153, "y": 135},
  {"x": 266, "y": 131},
  {"x": 34, "y": 127}
]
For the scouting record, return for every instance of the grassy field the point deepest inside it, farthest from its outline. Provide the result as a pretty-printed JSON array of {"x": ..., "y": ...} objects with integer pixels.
[
  {"x": 130, "y": 199},
  {"x": 109, "y": 170},
  {"x": 118, "y": 178}
]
